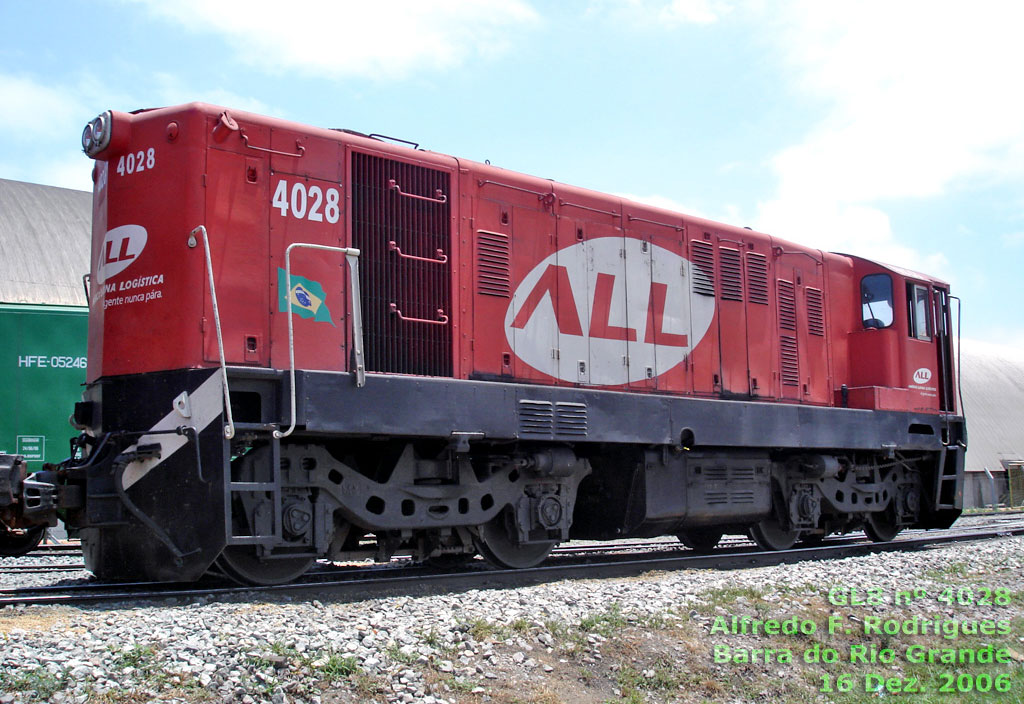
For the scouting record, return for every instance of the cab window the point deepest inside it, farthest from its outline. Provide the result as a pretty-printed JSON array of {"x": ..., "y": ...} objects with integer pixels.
[
  {"x": 876, "y": 300},
  {"x": 918, "y": 318}
]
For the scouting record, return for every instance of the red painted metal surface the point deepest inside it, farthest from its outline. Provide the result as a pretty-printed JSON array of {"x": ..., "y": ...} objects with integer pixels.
[{"x": 467, "y": 271}]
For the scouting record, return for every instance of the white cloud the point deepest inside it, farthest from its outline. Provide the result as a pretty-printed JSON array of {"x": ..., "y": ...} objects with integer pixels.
[
  {"x": 1014, "y": 239},
  {"x": 658, "y": 13},
  {"x": 1010, "y": 345},
  {"x": 340, "y": 39},
  {"x": 919, "y": 98},
  {"x": 41, "y": 122},
  {"x": 692, "y": 11},
  {"x": 30, "y": 110}
]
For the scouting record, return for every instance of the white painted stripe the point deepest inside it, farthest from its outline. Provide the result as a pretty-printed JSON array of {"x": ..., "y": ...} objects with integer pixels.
[{"x": 207, "y": 403}]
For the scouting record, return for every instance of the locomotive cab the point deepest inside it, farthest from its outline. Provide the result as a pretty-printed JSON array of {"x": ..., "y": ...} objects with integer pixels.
[{"x": 900, "y": 346}]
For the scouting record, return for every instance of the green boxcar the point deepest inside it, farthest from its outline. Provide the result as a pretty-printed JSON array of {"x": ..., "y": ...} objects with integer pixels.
[{"x": 42, "y": 369}]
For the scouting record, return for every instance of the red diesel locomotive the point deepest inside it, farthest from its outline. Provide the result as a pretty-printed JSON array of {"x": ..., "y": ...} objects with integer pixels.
[{"x": 309, "y": 343}]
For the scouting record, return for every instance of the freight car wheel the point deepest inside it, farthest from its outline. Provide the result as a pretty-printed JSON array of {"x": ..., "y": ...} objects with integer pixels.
[
  {"x": 881, "y": 526},
  {"x": 496, "y": 545},
  {"x": 240, "y": 563},
  {"x": 702, "y": 541},
  {"x": 15, "y": 543},
  {"x": 771, "y": 536}
]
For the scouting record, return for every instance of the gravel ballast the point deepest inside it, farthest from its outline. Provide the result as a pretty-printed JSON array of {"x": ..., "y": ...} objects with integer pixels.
[{"x": 639, "y": 639}]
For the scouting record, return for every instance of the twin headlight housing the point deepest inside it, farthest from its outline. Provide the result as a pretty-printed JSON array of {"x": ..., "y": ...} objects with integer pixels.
[{"x": 96, "y": 135}]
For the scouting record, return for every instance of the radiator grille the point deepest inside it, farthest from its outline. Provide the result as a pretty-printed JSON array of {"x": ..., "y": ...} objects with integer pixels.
[
  {"x": 405, "y": 286},
  {"x": 703, "y": 276},
  {"x": 493, "y": 269},
  {"x": 732, "y": 274}
]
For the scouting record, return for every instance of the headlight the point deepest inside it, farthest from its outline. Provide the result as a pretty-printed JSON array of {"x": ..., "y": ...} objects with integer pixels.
[
  {"x": 87, "y": 139},
  {"x": 96, "y": 135}
]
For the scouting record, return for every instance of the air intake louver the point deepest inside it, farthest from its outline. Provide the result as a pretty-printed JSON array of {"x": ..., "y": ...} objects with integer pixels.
[
  {"x": 493, "y": 264},
  {"x": 815, "y": 312},
  {"x": 757, "y": 278},
  {"x": 702, "y": 254}
]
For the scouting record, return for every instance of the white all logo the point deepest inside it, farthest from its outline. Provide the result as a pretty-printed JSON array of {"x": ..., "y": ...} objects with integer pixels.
[
  {"x": 922, "y": 375},
  {"x": 121, "y": 247},
  {"x": 607, "y": 311}
]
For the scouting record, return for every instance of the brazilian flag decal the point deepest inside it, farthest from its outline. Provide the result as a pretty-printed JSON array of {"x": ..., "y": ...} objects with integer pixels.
[{"x": 307, "y": 297}]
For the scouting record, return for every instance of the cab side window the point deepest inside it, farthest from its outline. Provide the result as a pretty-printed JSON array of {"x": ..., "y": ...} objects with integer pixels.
[
  {"x": 876, "y": 300},
  {"x": 918, "y": 317}
]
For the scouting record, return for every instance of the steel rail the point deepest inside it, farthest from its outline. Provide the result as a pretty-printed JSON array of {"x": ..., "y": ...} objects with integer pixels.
[{"x": 374, "y": 583}]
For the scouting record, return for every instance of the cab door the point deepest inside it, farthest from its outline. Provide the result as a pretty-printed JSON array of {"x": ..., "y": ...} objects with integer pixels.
[
  {"x": 922, "y": 375},
  {"x": 944, "y": 349}
]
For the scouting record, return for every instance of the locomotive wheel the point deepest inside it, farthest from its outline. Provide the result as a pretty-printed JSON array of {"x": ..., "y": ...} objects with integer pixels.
[
  {"x": 240, "y": 563},
  {"x": 700, "y": 540},
  {"x": 881, "y": 526},
  {"x": 769, "y": 535},
  {"x": 15, "y": 543},
  {"x": 496, "y": 545}
]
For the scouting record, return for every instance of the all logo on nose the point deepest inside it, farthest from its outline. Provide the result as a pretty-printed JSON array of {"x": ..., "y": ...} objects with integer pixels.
[
  {"x": 121, "y": 247},
  {"x": 620, "y": 308},
  {"x": 922, "y": 375}
]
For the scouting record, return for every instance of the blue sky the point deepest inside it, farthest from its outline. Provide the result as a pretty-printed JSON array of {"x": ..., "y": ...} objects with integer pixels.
[{"x": 893, "y": 130}]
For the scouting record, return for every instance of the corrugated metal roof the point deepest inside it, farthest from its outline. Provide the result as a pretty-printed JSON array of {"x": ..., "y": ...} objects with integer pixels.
[
  {"x": 992, "y": 379},
  {"x": 45, "y": 237}
]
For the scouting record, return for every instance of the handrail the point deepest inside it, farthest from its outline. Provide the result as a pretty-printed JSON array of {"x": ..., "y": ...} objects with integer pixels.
[
  {"x": 633, "y": 218},
  {"x": 439, "y": 196},
  {"x": 352, "y": 257},
  {"x": 302, "y": 149},
  {"x": 229, "y": 431},
  {"x": 442, "y": 319},
  {"x": 567, "y": 204},
  {"x": 442, "y": 258}
]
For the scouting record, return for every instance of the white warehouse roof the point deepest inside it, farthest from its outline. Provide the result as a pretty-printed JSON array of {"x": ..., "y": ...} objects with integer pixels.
[
  {"x": 45, "y": 237},
  {"x": 992, "y": 380}
]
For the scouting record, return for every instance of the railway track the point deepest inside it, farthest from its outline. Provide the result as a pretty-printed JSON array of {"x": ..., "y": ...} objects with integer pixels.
[{"x": 570, "y": 562}]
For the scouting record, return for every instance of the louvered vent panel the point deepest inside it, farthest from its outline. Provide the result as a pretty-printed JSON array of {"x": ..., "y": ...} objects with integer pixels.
[
  {"x": 571, "y": 419},
  {"x": 815, "y": 312},
  {"x": 745, "y": 474},
  {"x": 493, "y": 270},
  {"x": 741, "y": 497},
  {"x": 536, "y": 418},
  {"x": 715, "y": 473},
  {"x": 787, "y": 305},
  {"x": 716, "y": 497},
  {"x": 703, "y": 275},
  {"x": 757, "y": 278},
  {"x": 405, "y": 287},
  {"x": 731, "y": 274},
  {"x": 790, "y": 359}
]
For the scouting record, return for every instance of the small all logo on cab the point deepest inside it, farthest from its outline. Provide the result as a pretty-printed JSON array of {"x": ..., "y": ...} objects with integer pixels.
[{"x": 922, "y": 375}]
